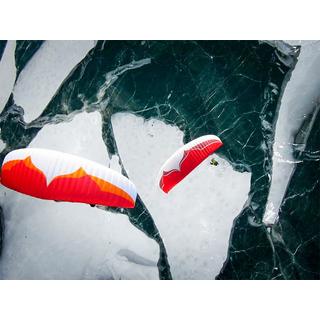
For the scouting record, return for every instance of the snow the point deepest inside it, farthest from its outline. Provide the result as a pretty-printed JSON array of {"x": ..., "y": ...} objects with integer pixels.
[
  {"x": 49, "y": 240},
  {"x": 7, "y": 73},
  {"x": 7, "y": 77},
  {"x": 195, "y": 218},
  {"x": 2, "y": 144},
  {"x": 45, "y": 72},
  {"x": 299, "y": 99}
]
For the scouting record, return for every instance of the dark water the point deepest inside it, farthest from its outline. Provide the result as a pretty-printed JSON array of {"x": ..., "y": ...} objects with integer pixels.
[
  {"x": 230, "y": 88},
  {"x": 297, "y": 234}
]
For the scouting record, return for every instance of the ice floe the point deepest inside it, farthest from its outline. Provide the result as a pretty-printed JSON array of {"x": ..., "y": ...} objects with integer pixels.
[
  {"x": 7, "y": 73},
  {"x": 7, "y": 77},
  {"x": 300, "y": 98},
  {"x": 49, "y": 240},
  {"x": 45, "y": 72},
  {"x": 195, "y": 218}
]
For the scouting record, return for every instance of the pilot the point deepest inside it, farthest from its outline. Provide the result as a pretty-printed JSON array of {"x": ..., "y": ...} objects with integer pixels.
[{"x": 214, "y": 162}]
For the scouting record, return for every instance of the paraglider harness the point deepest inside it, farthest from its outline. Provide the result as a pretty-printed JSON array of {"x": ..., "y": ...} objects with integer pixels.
[{"x": 214, "y": 162}]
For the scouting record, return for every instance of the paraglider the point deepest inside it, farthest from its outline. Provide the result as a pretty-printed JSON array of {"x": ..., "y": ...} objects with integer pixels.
[
  {"x": 186, "y": 159},
  {"x": 53, "y": 175}
]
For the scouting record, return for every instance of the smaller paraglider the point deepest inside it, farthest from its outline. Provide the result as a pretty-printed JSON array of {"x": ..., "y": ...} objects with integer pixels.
[
  {"x": 53, "y": 175},
  {"x": 186, "y": 159}
]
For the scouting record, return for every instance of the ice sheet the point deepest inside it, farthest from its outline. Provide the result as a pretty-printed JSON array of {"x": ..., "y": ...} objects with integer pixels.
[
  {"x": 45, "y": 72},
  {"x": 7, "y": 72},
  {"x": 49, "y": 240},
  {"x": 195, "y": 218},
  {"x": 300, "y": 98}
]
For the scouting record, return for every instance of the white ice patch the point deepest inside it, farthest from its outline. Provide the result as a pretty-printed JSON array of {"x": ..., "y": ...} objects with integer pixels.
[
  {"x": 45, "y": 72},
  {"x": 7, "y": 77},
  {"x": 300, "y": 98},
  {"x": 80, "y": 137},
  {"x": 195, "y": 219},
  {"x": 49, "y": 240},
  {"x": 7, "y": 73},
  {"x": 2, "y": 145}
]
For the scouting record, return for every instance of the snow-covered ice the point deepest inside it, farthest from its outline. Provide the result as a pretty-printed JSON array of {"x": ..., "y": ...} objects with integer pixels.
[
  {"x": 45, "y": 72},
  {"x": 7, "y": 77},
  {"x": 195, "y": 218},
  {"x": 49, "y": 240},
  {"x": 300, "y": 98},
  {"x": 7, "y": 72}
]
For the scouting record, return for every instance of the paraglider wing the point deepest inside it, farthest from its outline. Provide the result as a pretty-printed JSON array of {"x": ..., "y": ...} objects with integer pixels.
[
  {"x": 53, "y": 175},
  {"x": 187, "y": 158}
]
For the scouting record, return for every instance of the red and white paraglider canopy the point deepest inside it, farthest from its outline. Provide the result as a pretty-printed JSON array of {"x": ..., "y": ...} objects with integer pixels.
[
  {"x": 187, "y": 158},
  {"x": 53, "y": 175}
]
